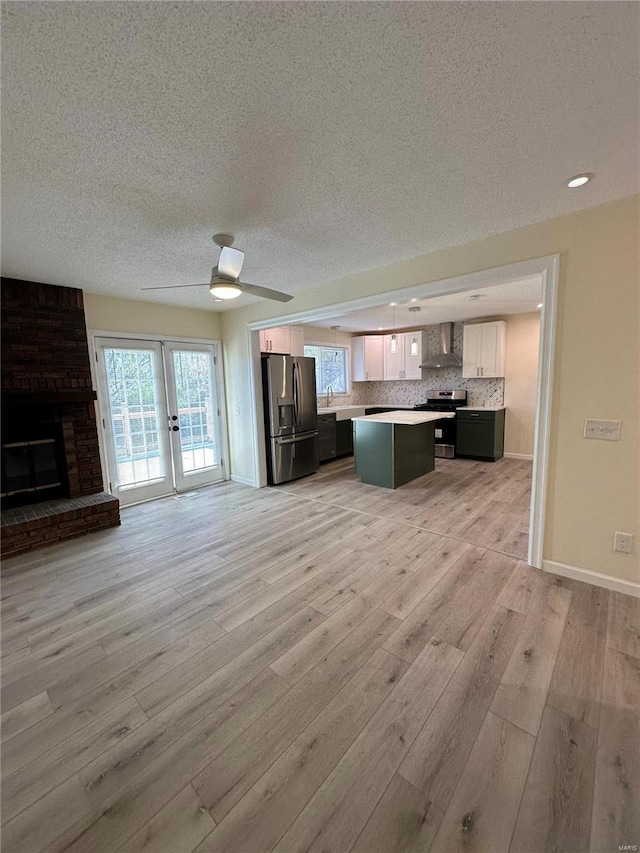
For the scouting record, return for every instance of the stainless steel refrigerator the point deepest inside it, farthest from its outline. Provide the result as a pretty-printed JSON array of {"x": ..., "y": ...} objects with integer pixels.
[{"x": 291, "y": 416}]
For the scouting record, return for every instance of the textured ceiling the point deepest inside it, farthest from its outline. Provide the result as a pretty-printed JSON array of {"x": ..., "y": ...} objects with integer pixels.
[{"x": 329, "y": 138}]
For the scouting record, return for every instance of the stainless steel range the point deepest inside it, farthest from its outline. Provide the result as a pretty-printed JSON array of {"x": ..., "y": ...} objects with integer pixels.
[{"x": 444, "y": 401}]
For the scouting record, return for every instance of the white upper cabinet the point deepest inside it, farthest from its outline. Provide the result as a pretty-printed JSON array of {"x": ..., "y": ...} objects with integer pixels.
[
  {"x": 393, "y": 361},
  {"x": 403, "y": 364},
  {"x": 285, "y": 340},
  {"x": 413, "y": 354},
  {"x": 367, "y": 358},
  {"x": 483, "y": 349}
]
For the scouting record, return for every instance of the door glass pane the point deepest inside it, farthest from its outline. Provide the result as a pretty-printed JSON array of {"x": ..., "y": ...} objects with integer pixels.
[
  {"x": 135, "y": 414},
  {"x": 197, "y": 411}
]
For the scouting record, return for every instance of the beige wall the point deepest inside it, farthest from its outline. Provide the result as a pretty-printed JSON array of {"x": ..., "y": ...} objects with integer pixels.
[
  {"x": 593, "y": 485},
  {"x": 521, "y": 376},
  {"x": 323, "y": 335},
  {"x": 109, "y": 314}
]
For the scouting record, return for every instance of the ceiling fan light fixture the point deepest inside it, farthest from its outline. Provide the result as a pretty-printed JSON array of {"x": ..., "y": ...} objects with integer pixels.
[{"x": 225, "y": 290}]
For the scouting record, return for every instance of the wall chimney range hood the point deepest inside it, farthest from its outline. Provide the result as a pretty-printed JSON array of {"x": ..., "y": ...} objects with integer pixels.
[{"x": 445, "y": 357}]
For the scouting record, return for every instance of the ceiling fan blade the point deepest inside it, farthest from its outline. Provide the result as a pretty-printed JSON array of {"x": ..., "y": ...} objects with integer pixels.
[
  {"x": 172, "y": 286},
  {"x": 265, "y": 292},
  {"x": 230, "y": 263}
]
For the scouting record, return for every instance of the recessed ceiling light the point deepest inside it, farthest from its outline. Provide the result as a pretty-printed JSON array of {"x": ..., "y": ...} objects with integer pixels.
[
  {"x": 579, "y": 180},
  {"x": 393, "y": 303},
  {"x": 413, "y": 299},
  {"x": 539, "y": 304}
]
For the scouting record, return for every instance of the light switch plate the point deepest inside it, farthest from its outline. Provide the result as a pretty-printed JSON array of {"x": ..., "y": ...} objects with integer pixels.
[{"x": 604, "y": 430}]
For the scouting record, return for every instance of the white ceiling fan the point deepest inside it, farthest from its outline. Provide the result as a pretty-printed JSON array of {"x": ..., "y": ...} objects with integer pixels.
[{"x": 225, "y": 277}]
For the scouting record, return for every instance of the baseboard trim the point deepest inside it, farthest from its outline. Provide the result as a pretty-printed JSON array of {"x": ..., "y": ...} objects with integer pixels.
[
  {"x": 528, "y": 456},
  {"x": 245, "y": 481},
  {"x": 595, "y": 578}
]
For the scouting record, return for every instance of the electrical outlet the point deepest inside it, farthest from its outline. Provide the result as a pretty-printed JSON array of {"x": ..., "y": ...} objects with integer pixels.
[
  {"x": 622, "y": 542},
  {"x": 604, "y": 430}
]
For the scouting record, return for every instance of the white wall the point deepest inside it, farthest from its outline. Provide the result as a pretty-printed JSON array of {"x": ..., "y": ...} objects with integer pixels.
[
  {"x": 521, "y": 376},
  {"x": 593, "y": 485}
]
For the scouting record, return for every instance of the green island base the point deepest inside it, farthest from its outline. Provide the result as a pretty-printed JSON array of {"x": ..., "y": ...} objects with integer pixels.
[{"x": 391, "y": 455}]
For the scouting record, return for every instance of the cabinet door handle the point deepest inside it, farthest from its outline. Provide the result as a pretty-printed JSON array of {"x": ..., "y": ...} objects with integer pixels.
[{"x": 482, "y": 371}]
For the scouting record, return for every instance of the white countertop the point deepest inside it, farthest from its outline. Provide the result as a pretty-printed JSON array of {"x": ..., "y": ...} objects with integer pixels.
[
  {"x": 480, "y": 408},
  {"x": 342, "y": 413},
  {"x": 408, "y": 418}
]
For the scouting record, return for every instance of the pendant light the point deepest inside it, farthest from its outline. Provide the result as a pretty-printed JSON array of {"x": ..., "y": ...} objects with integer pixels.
[
  {"x": 414, "y": 340},
  {"x": 335, "y": 342},
  {"x": 393, "y": 343}
]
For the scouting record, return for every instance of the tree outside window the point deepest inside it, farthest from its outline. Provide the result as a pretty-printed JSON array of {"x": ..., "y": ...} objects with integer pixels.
[{"x": 331, "y": 368}]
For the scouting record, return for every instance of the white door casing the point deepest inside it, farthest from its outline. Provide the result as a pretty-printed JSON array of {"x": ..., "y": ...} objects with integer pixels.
[{"x": 183, "y": 387}]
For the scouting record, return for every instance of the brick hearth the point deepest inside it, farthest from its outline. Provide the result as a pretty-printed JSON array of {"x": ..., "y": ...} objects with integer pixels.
[
  {"x": 46, "y": 378},
  {"x": 28, "y": 527}
]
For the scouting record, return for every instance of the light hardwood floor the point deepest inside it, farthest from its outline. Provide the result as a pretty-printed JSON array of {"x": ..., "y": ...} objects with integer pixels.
[{"x": 325, "y": 666}]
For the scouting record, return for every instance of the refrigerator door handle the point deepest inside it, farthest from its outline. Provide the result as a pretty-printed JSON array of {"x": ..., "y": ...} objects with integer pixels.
[
  {"x": 296, "y": 394},
  {"x": 301, "y": 436}
]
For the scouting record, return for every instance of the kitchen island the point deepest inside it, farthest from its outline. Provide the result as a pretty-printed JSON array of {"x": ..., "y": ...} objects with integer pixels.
[{"x": 393, "y": 448}]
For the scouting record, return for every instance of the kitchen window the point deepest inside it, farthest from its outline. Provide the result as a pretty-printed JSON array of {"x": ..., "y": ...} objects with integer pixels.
[{"x": 331, "y": 368}]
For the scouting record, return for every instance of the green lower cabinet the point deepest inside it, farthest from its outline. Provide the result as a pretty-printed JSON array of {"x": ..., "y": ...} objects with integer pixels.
[
  {"x": 344, "y": 438},
  {"x": 327, "y": 437},
  {"x": 480, "y": 435}
]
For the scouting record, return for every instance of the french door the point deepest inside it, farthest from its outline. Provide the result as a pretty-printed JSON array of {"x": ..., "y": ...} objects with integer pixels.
[{"x": 161, "y": 416}]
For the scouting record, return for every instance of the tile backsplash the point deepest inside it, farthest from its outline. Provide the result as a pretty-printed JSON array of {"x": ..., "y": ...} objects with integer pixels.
[
  {"x": 408, "y": 392},
  {"x": 481, "y": 392}
]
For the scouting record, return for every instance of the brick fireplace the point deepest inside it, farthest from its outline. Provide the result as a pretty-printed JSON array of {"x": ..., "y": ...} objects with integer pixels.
[{"x": 51, "y": 472}]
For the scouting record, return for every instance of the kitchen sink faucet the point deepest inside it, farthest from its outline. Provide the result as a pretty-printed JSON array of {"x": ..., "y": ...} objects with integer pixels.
[{"x": 329, "y": 395}]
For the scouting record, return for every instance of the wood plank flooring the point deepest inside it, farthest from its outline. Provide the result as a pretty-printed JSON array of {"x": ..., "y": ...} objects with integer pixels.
[
  {"x": 324, "y": 666},
  {"x": 484, "y": 503}
]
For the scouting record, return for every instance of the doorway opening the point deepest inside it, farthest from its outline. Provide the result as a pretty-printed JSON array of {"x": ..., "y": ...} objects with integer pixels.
[{"x": 546, "y": 269}]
